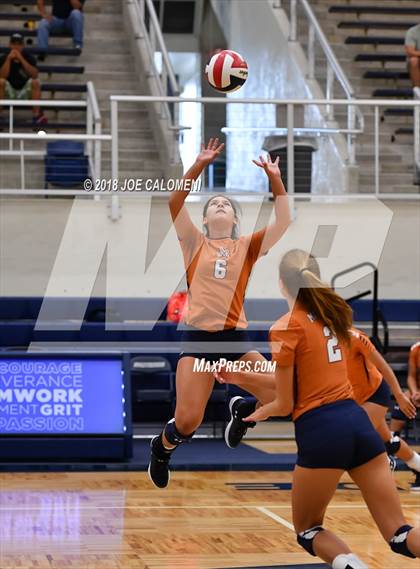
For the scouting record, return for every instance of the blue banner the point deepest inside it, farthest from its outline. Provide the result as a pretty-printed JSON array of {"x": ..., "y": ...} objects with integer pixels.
[{"x": 61, "y": 396}]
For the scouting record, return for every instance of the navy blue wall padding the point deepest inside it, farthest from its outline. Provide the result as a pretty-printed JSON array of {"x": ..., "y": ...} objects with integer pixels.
[
  {"x": 15, "y": 334},
  {"x": 393, "y": 310},
  {"x": 266, "y": 310},
  {"x": 18, "y": 318}
]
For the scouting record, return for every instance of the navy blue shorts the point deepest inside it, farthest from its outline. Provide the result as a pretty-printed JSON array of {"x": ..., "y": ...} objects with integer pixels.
[
  {"x": 230, "y": 344},
  {"x": 382, "y": 395},
  {"x": 337, "y": 435}
]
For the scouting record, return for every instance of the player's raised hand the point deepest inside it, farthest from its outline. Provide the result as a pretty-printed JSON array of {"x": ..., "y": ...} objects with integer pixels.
[
  {"x": 210, "y": 152},
  {"x": 270, "y": 168}
]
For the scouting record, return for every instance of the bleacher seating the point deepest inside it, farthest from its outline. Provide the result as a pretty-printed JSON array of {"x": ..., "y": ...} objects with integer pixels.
[
  {"x": 386, "y": 75},
  {"x": 374, "y": 27},
  {"x": 395, "y": 111},
  {"x": 50, "y": 71},
  {"x": 22, "y": 2},
  {"x": 51, "y": 125},
  {"x": 65, "y": 69},
  {"x": 374, "y": 40},
  {"x": 393, "y": 93},
  {"x": 65, "y": 51},
  {"x": 364, "y": 9},
  {"x": 381, "y": 57},
  {"x": 33, "y": 16},
  {"x": 64, "y": 87},
  {"x": 7, "y": 32}
]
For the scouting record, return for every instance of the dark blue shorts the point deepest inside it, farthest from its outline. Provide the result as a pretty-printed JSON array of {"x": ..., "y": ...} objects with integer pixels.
[
  {"x": 230, "y": 344},
  {"x": 382, "y": 395},
  {"x": 337, "y": 435}
]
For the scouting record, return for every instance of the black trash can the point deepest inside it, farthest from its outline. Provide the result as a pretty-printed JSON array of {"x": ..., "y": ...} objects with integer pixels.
[{"x": 303, "y": 151}]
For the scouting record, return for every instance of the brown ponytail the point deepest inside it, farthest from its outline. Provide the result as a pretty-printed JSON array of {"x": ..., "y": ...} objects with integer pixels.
[{"x": 300, "y": 274}]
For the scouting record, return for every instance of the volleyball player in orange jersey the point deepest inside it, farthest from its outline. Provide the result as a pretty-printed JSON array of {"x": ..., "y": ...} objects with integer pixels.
[
  {"x": 218, "y": 265},
  {"x": 398, "y": 418},
  {"x": 413, "y": 379},
  {"x": 333, "y": 433},
  {"x": 372, "y": 378}
]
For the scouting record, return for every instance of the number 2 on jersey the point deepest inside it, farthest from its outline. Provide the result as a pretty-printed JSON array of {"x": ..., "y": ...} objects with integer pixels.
[
  {"x": 220, "y": 268},
  {"x": 334, "y": 352}
]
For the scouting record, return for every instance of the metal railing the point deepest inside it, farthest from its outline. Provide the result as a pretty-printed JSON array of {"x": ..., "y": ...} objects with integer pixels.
[
  {"x": 93, "y": 135},
  {"x": 165, "y": 83},
  {"x": 289, "y": 130},
  {"x": 416, "y": 91},
  {"x": 155, "y": 42},
  {"x": 335, "y": 72},
  {"x": 94, "y": 126},
  {"x": 377, "y": 315}
]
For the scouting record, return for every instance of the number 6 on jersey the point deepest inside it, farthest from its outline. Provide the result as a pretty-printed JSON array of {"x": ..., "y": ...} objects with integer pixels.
[{"x": 220, "y": 268}]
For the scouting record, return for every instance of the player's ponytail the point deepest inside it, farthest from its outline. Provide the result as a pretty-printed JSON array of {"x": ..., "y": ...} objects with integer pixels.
[{"x": 300, "y": 274}]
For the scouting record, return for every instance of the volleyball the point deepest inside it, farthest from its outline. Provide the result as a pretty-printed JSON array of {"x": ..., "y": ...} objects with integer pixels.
[{"x": 227, "y": 71}]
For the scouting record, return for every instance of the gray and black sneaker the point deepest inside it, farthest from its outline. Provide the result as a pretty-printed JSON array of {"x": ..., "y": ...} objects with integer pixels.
[
  {"x": 236, "y": 428},
  {"x": 158, "y": 470},
  {"x": 392, "y": 462}
]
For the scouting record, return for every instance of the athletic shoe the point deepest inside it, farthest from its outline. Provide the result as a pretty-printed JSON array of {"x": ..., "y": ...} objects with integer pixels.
[
  {"x": 392, "y": 462},
  {"x": 415, "y": 486},
  {"x": 236, "y": 429},
  {"x": 158, "y": 470}
]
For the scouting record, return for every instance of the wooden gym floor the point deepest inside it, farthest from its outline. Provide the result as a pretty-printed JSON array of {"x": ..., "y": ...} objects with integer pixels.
[{"x": 203, "y": 520}]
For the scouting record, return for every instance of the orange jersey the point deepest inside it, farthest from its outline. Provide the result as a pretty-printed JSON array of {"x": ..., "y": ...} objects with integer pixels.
[
  {"x": 414, "y": 360},
  {"x": 300, "y": 340},
  {"x": 364, "y": 376},
  {"x": 218, "y": 272}
]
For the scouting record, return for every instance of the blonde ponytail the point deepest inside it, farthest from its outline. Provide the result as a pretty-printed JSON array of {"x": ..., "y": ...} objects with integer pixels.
[{"x": 300, "y": 274}]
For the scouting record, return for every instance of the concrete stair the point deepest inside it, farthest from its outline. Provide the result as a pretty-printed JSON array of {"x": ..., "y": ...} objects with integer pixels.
[
  {"x": 396, "y": 158},
  {"x": 109, "y": 64}
]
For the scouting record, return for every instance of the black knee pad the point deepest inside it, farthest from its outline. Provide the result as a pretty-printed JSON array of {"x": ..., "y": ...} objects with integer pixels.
[
  {"x": 397, "y": 414},
  {"x": 174, "y": 436},
  {"x": 398, "y": 543},
  {"x": 393, "y": 446},
  {"x": 306, "y": 538}
]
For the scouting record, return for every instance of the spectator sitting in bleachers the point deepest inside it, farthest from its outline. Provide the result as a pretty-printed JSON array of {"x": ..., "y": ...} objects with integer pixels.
[
  {"x": 66, "y": 15},
  {"x": 19, "y": 76},
  {"x": 412, "y": 49}
]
